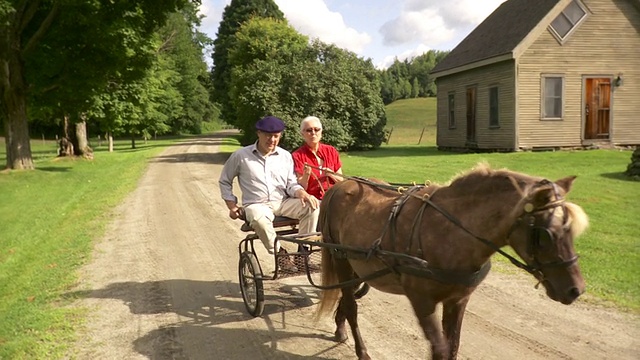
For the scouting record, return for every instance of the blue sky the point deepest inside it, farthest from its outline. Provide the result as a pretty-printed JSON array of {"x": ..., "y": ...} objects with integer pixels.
[{"x": 377, "y": 29}]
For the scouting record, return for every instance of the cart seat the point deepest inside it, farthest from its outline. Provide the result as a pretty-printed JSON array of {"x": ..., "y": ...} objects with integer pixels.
[{"x": 279, "y": 221}]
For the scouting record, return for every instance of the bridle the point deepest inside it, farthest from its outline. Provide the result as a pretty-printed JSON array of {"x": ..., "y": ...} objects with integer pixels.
[{"x": 537, "y": 234}]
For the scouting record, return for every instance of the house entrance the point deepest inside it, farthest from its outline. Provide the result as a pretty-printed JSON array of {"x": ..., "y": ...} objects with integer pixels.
[
  {"x": 597, "y": 108},
  {"x": 471, "y": 116}
]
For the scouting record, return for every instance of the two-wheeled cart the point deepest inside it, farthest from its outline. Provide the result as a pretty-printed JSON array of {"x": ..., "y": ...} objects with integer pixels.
[{"x": 304, "y": 261}]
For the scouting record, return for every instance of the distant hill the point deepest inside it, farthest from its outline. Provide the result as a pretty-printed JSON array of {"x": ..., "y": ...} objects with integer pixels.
[{"x": 408, "y": 118}]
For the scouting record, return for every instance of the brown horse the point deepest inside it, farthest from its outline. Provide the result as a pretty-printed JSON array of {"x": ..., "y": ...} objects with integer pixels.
[{"x": 450, "y": 233}]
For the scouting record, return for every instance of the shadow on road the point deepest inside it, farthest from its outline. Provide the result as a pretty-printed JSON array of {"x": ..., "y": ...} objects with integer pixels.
[
  {"x": 163, "y": 343},
  {"x": 207, "y": 310}
]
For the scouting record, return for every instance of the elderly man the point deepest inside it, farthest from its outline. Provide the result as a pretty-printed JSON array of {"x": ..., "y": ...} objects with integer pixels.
[{"x": 268, "y": 184}]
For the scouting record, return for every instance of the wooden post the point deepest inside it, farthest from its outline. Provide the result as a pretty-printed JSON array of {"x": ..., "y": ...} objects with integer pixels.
[
  {"x": 99, "y": 141},
  {"x": 422, "y": 133},
  {"x": 43, "y": 142}
]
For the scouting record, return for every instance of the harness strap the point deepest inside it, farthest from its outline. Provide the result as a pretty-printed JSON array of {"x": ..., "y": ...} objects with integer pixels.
[
  {"x": 463, "y": 278},
  {"x": 490, "y": 244}
]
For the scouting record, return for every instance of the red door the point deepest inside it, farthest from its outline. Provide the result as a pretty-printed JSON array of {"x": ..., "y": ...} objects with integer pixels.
[{"x": 597, "y": 108}]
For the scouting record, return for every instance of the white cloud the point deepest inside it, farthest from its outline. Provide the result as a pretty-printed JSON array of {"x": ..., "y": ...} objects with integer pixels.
[
  {"x": 314, "y": 19},
  {"x": 425, "y": 26},
  {"x": 213, "y": 15},
  {"x": 434, "y": 22}
]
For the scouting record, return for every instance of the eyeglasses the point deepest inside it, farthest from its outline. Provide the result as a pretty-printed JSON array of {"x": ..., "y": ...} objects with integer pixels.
[{"x": 311, "y": 130}]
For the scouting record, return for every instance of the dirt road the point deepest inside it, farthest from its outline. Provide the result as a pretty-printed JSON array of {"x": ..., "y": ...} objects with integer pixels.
[{"x": 163, "y": 284}]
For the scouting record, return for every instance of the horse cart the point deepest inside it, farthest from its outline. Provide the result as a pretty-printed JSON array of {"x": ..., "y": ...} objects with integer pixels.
[{"x": 304, "y": 261}]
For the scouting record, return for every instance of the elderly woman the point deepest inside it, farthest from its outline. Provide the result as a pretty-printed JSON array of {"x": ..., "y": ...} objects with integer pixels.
[{"x": 324, "y": 160}]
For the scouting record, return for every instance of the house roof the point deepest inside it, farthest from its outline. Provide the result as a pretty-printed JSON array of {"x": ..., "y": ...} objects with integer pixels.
[{"x": 499, "y": 34}]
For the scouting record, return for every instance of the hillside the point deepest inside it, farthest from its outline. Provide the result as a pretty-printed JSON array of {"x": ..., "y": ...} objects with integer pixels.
[{"x": 406, "y": 119}]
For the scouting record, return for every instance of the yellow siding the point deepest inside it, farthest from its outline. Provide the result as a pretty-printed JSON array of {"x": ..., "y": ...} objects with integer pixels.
[
  {"x": 606, "y": 44},
  {"x": 500, "y": 75}
]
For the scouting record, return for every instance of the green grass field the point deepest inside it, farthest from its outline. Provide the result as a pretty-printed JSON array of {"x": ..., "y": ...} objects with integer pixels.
[
  {"x": 412, "y": 122},
  {"x": 50, "y": 218}
]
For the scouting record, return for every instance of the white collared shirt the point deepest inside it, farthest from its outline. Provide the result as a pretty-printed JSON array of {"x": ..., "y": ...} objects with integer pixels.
[{"x": 261, "y": 178}]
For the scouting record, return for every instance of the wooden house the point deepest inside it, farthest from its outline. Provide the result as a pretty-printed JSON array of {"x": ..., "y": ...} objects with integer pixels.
[{"x": 544, "y": 74}]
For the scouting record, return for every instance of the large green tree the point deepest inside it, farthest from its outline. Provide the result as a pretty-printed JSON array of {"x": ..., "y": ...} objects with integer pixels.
[
  {"x": 235, "y": 14},
  {"x": 67, "y": 49},
  {"x": 183, "y": 43},
  {"x": 276, "y": 71}
]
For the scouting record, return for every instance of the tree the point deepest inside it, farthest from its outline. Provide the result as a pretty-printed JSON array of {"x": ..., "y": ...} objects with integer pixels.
[
  {"x": 410, "y": 78},
  {"x": 183, "y": 44},
  {"x": 49, "y": 47},
  {"x": 235, "y": 14},
  {"x": 275, "y": 71}
]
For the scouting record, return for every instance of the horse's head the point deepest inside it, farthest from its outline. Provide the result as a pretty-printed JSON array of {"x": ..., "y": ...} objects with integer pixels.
[{"x": 543, "y": 237}]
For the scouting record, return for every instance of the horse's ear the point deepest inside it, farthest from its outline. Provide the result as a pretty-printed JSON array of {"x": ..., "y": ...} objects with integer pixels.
[{"x": 565, "y": 183}]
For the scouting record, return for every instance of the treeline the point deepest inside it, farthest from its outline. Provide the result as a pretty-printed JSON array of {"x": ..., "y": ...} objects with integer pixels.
[
  {"x": 136, "y": 69},
  {"x": 115, "y": 67},
  {"x": 410, "y": 78}
]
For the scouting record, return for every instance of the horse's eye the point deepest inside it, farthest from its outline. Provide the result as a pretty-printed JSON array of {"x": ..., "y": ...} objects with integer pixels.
[{"x": 543, "y": 237}]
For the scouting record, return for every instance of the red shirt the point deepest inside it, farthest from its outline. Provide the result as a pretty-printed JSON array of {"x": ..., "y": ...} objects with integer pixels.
[{"x": 331, "y": 161}]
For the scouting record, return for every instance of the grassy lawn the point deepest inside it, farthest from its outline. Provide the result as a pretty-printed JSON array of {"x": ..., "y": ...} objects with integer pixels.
[{"x": 50, "y": 217}]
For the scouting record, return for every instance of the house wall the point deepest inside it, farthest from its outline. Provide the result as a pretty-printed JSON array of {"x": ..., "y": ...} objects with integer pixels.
[
  {"x": 502, "y": 137},
  {"x": 606, "y": 44}
]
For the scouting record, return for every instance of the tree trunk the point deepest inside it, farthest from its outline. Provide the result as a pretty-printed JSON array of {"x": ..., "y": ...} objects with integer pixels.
[
  {"x": 74, "y": 140},
  {"x": 133, "y": 141},
  {"x": 83, "y": 149},
  {"x": 66, "y": 144},
  {"x": 13, "y": 97},
  {"x": 110, "y": 138}
]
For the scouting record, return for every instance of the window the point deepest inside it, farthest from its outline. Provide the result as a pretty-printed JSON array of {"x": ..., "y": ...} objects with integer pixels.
[
  {"x": 452, "y": 110},
  {"x": 494, "y": 119},
  {"x": 568, "y": 20},
  {"x": 552, "y": 95}
]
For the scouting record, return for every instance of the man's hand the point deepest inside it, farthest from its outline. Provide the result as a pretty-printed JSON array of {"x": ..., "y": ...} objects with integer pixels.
[
  {"x": 309, "y": 199},
  {"x": 235, "y": 211}
]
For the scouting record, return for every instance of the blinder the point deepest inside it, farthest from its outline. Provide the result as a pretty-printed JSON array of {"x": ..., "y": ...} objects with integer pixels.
[{"x": 540, "y": 238}]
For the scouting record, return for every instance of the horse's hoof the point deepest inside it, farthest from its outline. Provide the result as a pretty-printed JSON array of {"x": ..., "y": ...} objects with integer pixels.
[{"x": 341, "y": 337}]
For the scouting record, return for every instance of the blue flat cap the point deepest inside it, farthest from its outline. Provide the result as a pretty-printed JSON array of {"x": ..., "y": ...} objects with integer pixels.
[{"x": 270, "y": 124}]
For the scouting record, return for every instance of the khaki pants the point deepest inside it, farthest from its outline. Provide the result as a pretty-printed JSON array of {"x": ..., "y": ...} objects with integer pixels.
[{"x": 260, "y": 217}]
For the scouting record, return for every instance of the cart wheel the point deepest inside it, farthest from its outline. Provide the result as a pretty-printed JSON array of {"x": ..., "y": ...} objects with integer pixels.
[{"x": 251, "y": 283}]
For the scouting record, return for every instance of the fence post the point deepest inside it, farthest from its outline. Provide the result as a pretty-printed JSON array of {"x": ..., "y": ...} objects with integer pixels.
[{"x": 422, "y": 133}]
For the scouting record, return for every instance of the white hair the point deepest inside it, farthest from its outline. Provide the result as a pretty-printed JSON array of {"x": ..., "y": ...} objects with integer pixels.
[{"x": 309, "y": 119}]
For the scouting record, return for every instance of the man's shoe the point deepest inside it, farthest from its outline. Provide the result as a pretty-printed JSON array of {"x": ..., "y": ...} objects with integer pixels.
[{"x": 284, "y": 262}]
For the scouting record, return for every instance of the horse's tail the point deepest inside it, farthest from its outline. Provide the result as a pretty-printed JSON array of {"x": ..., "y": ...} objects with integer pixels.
[{"x": 329, "y": 298}]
